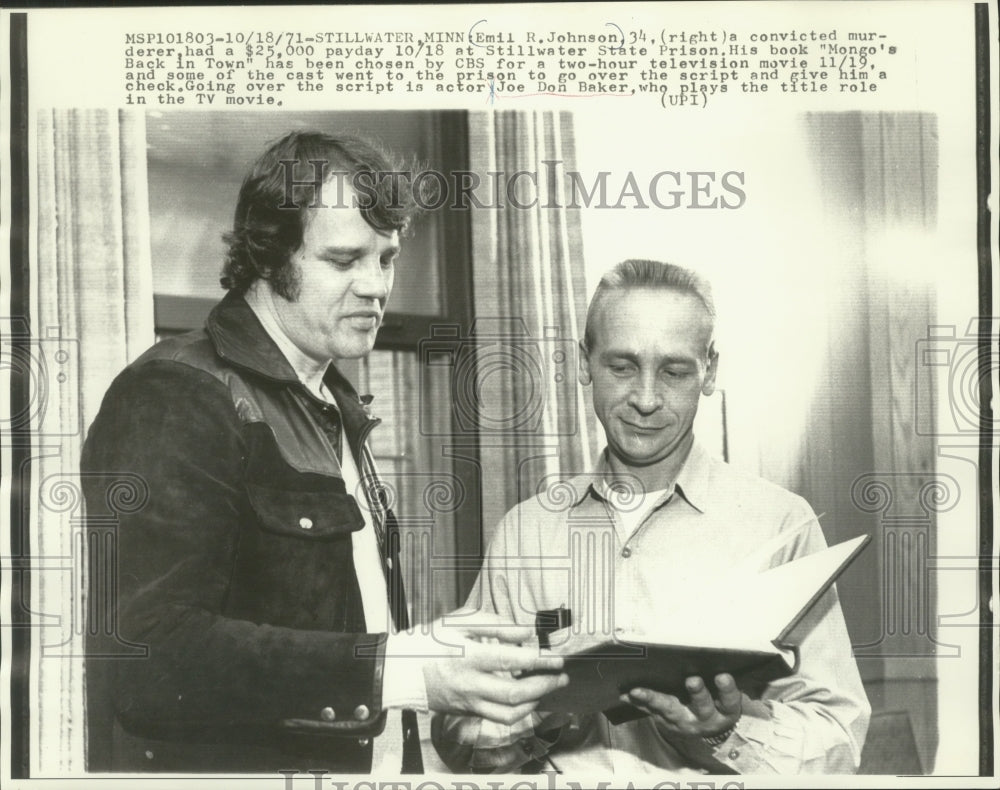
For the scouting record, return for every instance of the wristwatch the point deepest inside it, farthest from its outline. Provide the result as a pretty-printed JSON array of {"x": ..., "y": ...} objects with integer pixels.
[{"x": 720, "y": 738}]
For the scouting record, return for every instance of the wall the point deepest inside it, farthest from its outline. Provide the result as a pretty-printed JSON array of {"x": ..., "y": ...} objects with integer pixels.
[{"x": 825, "y": 282}]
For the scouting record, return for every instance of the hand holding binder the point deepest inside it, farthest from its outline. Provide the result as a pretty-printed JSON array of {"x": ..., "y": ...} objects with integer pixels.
[{"x": 751, "y": 642}]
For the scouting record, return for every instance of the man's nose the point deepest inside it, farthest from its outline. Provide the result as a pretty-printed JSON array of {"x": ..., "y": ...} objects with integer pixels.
[
  {"x": 645, "y": 396},
  {"x": 372, "y": 281}
]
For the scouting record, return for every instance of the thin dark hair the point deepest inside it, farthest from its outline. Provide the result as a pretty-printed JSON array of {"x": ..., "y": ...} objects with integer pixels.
[
  {"x": 640, "y": 273},
  {"x": 288, "y": 178}
]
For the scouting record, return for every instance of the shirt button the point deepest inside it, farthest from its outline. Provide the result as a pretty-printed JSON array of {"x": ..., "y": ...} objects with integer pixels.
[
  {"x": 328, "y": 714},
  {"x": 306, "y": 523},
  {"x": 626, "y": 552},
  {"x": 734, "y": 753},
  {"x": 361, "y": 712}
]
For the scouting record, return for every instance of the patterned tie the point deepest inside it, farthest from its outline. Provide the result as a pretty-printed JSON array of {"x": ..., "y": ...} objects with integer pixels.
[{"x": 376, "y": 493}]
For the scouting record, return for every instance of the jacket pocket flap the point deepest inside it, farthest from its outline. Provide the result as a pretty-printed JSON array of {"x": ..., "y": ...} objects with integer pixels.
[{"x": 307, "y": 514}]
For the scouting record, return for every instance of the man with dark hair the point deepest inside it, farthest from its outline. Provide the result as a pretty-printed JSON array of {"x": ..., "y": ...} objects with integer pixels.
[
  {"x": 260, "y": 572},
  {"x": 309, "y": 170},
  {"x": 674, "y": 520}
]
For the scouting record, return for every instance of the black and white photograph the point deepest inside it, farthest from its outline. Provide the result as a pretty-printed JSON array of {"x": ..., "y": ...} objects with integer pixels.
[{"x": 499, "y": 396}]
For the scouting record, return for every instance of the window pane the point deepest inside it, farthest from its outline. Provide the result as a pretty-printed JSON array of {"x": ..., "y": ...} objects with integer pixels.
[{"x": 196, "y": 163}]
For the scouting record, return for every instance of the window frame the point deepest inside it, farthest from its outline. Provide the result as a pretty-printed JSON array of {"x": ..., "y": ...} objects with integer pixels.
[{"x": 448, "y": 140}]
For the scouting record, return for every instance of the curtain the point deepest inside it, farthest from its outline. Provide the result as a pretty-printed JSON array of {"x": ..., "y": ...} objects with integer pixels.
[
  {"x": 92, "y": 313},
  {"x": 530, "y": 305},
  {"x": 878, "y": 179},
  {"x": 907, "y": 491}
]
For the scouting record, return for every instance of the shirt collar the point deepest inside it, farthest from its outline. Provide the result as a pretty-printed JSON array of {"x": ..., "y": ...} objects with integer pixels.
[
  {"x": 692, "y": 482},
  {"x": 308, "y": 370}
]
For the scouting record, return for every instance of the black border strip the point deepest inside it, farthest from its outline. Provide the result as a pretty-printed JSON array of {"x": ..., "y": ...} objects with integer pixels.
[
  {"x": 987, "y": 698},
  {"x": 20, "y": 399}
]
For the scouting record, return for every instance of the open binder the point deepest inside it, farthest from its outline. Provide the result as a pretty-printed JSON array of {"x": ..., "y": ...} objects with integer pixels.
[{"x": 744, "y": 629}]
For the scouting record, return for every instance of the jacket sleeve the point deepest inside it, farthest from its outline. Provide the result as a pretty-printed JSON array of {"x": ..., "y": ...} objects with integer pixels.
[{"x": 175, "y": 428}]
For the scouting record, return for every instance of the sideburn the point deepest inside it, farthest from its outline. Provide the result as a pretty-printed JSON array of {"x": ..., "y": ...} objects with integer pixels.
[{"x": 286, "y": 281}]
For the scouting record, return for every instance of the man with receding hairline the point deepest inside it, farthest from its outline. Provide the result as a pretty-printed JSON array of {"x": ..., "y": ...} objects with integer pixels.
[{"x": 649, "y": 355}]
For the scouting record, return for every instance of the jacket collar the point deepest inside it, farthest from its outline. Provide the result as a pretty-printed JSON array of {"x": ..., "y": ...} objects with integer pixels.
[{"x": 241, "y": 340}]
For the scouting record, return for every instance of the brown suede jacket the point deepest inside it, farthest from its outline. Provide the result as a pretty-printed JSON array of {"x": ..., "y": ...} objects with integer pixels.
[{"x": 235, "y": 637}]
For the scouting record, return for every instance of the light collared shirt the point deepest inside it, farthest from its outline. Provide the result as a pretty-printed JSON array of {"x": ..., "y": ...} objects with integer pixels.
[{"x": 570, "y": 546}]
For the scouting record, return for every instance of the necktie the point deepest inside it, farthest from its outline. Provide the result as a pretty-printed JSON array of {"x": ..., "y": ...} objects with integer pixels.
[{"x": 376, "y": 493}]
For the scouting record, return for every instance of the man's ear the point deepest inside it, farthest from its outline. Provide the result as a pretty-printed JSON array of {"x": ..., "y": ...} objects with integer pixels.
[
  {"x": 708, "y": 386},
  {"x": 584, "y": 373}
]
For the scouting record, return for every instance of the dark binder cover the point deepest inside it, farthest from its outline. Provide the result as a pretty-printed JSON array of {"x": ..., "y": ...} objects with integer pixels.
[{"x": 599, "y": 675}]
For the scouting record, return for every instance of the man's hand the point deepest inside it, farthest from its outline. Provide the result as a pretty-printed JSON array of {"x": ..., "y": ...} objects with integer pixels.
[
  {"x": 704, "y": 716},
  {"x": 478, "y": 671}
]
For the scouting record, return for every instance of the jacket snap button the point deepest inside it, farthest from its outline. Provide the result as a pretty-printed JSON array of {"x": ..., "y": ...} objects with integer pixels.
[
  {"x": 362, "y": 742},
  {"x": 361, "y": 712},
  {"x": 328, "y": 714},
  {"x": 626, "y": 552},
  {"x": 388, "y": 562},
  {"x": 306, "y": 523},
  {"x": 149, "y": 755}
]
